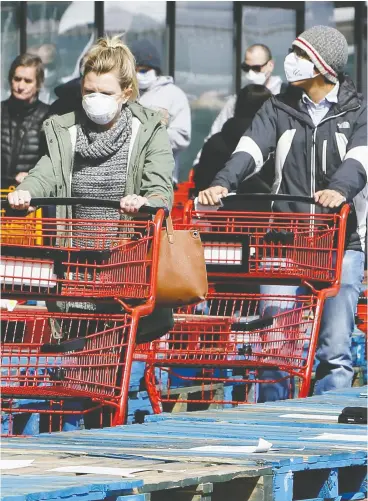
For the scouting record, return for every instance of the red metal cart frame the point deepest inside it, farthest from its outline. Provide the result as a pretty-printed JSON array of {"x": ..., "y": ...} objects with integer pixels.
[
  {"x": 84, "y": 356},
  {"x": 241, "y": 247}
]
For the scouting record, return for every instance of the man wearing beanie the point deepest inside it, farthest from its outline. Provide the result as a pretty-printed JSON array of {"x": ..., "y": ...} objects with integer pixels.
[
  {"x": 317, "y": 131},
  {"x": 161, "y": 94}
]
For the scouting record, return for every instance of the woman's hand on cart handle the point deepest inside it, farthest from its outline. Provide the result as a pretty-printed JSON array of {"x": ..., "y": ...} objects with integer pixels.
[
  {"x": 20, "y": 200},
  {"x": 212, "y": 195},
  {"x": 329, "y": 198},
  {"x": 132, "y": 203}
]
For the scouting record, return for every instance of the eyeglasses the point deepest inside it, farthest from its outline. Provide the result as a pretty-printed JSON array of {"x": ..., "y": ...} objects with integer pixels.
[{"x": 256, "y": 68}]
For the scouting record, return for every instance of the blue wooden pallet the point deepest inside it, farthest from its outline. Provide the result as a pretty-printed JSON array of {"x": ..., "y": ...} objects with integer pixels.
[{"x": 303, "y": 464}]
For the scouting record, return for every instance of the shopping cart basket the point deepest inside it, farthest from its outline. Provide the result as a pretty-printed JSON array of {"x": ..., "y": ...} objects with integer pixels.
[
  {"x": 52, "y": 258},
  {"x": 207, "y": 348},
  {"x": 229, "y": 342},
  {"x": 84, "y": 356},
  {"x": 270, "y": 245},
  {"x": 88, "y": 362}
]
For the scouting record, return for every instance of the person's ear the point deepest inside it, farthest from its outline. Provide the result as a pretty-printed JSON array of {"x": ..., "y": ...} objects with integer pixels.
[
  {"x": 271, "y": 65},
  {"x": 127, "y": 94}
]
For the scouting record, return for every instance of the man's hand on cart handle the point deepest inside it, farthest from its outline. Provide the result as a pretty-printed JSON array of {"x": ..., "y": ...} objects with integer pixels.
[
  {"x": 329, "y": 198},
  {"x": 20, "y": 200},
  {"x": 213, "y": 195},
  {"x": 132, "y": 203}
]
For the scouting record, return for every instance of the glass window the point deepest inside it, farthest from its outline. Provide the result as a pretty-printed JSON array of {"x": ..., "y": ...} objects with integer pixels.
[
  {"x": 9, "y": 42},
  {"x": 275, "y": 28},
  {"x": 138, "y": 20},
  {"x": 203, "y": 66},
  {"x": 319, "y": 13},
  {"x": 60, "y": 33},
  {"x": 344, "y": 22}
]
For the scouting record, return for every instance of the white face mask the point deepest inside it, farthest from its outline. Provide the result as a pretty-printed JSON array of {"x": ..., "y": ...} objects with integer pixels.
[
  {"x": 100, "y": 108},
  {"x": 146, "y": 79},
  {"x": 297, "y": 68},
  {"x": 256, "y": 78}
]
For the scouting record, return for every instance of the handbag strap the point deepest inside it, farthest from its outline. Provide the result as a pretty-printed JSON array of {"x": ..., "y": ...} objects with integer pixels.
[{"x": 169, "y": 230}]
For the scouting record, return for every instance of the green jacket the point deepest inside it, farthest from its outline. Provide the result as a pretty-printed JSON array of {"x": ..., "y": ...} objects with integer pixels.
[
  {"x": 150, "y": 161},
  {"x": 150, "y": 168}
]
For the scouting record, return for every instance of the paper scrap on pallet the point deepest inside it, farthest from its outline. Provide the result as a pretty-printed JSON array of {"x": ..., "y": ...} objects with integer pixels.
[
  {"x": 19, "y": 272},
  {"x": 336, "y": 437},
  {"x": 107, "y": 470},
  {"x": 13, "y": 464},
  {"x": 313, "y": 417},
  {"x": 261, "y": 447}
]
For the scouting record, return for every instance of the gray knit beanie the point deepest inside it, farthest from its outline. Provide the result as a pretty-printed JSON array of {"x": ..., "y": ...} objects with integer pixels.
[{"x": 327, "y": 48}]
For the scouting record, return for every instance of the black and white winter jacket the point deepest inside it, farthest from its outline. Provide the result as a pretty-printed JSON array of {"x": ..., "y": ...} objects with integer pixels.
[{"x": 333, "y": 155}]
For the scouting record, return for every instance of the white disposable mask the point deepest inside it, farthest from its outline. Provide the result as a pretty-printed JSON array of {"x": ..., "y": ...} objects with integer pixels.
[
  {"x": 100, "y": 108},
  {"x": 297, "y": 68},
  {"x": 256, "y": 78},
  {"x": 146, "y": 79}
]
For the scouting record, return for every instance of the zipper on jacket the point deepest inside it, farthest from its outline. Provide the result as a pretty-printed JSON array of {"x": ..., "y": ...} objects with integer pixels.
[
  {"x": 313, "y": 169},
  {"x": 324, "y": 157}
]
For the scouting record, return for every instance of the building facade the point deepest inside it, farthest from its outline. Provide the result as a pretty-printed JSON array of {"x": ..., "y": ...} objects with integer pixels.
[{"x": 201, "y": 43}]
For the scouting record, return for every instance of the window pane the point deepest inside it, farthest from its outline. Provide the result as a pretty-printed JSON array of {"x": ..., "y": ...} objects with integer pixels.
[
  {"x": 138, "y": 20},
  {"x": 203, "y": 65},
  {"x": 319, "y": 13},
  {"x": 344, "y": 22},
  {"x": 9, "y": 42},
  {"x": 60, "y": 33},
  {"x": 275, "y": 28}
]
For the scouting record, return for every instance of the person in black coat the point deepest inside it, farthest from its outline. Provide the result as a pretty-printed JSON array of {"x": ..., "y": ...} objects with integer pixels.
[
  {"x": 219, "y": 148},
  {"x": 22, "y": 116},
  {"x": 69, "y": 97}
]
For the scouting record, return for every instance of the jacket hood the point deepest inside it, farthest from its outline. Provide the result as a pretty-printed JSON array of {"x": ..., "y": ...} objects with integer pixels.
[
  {"x": 159, "y": 82},
  {"x": 145, "y": 116}
]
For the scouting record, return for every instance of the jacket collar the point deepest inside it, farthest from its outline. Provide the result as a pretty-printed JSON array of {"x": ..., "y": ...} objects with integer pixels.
[{"x": 290, "y": 101}]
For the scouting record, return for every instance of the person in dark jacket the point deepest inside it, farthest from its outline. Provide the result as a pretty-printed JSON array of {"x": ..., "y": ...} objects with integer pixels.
[
  {"x": 69, "y": 97},
  {"x": 218, "y": 149},
  {"x": 21, "y": 120},
  {"x": 318, "y": 131}
]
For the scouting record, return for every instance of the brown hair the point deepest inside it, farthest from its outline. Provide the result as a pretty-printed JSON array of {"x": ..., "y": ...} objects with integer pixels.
[
  {"x": 111, "y": 54},
  {"x": 28, "y": 60}
]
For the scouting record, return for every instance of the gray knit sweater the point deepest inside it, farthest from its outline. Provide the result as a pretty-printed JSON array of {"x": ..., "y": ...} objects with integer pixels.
[{"x": 100, "y": 166}]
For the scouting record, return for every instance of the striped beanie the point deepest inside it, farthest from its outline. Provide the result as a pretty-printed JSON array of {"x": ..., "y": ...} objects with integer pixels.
[{"x": 327, "y": 48}]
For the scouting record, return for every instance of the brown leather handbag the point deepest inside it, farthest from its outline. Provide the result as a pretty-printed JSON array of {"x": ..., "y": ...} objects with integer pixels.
[{"x": 182, "y": 275}]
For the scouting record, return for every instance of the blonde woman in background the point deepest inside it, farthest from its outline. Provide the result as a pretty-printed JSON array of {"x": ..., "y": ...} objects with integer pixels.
[{"x": 112, "y": 149}]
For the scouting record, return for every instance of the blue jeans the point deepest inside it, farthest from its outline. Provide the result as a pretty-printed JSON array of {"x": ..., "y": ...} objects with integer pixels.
[{"x": 335, "y": 368}]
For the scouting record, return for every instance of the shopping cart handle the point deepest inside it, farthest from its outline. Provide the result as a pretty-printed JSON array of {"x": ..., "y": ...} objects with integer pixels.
[
  {"x": 89, "y": 202},
  {"x": 252, "y": 325},
  {"x": 268, "y": 197}
]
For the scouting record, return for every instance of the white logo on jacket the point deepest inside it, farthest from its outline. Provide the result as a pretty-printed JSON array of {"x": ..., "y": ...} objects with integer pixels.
[{"x": 344, "y": 125}]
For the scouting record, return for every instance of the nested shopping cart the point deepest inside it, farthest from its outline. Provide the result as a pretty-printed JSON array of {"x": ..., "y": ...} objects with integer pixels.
[
  {"x": 230, "y": 344},
  {"x": 77, "y": 357}
]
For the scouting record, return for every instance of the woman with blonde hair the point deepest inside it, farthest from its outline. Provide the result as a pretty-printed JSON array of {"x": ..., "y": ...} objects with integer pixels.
[{"x": 113, "y": 149}]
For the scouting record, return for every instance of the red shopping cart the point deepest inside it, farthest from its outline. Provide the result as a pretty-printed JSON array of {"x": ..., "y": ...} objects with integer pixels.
[
  {"x": 270, "y": 245},
  {"x": 63, "y": 357},
  {"x": 229, "y": 343},
  {"x": 226, "y": 344},
  {"x": 53, "y": 258}
]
